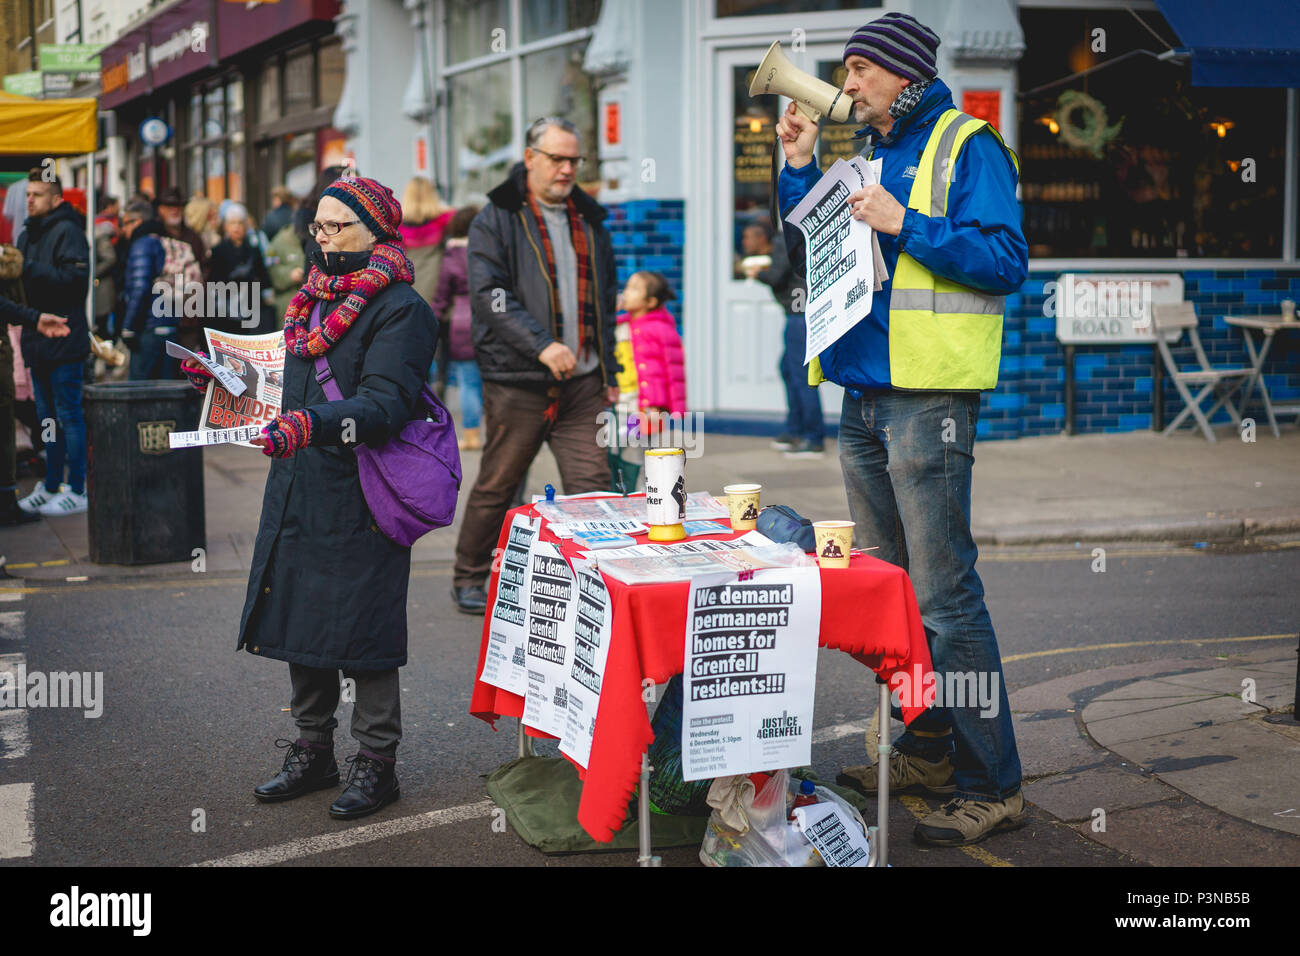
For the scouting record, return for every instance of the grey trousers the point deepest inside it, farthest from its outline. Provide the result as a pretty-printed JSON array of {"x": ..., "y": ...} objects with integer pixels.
[{"x": 376, "y": 712}]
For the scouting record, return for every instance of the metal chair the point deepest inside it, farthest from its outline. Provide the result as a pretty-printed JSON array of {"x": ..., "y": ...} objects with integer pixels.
[{"x": 1214, "y": 382}]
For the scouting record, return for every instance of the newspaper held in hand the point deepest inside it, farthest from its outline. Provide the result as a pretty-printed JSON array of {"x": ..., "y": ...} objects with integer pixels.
[
  {"x": 844, "y": 264},
  {"x": 258, "y": 362},
  {"x": 214, "y": 436},
  {"x": 228, "y": 379}
]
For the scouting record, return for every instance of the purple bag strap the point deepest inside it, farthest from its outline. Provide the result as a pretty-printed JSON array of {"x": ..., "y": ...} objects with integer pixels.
[{"x": 324, "y": 375}]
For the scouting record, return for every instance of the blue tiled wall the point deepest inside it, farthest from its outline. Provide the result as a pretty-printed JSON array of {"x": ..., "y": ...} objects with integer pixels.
[
  {"x": 650, "y": 234},
  {"x": 1113, "y": 387}
]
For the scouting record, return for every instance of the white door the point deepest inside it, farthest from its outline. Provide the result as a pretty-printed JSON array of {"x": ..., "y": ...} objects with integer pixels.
[{"x": 750, "y": 324}]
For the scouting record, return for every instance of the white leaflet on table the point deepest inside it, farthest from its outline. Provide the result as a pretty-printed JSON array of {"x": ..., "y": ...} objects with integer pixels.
[
  {"x": 504, "y": 665},
  {"x": 592, "y": 630},
  {"x": 548, "y": 647},
  {"x": 836, "y": 835},
  {"x": 750, "y": 672}
]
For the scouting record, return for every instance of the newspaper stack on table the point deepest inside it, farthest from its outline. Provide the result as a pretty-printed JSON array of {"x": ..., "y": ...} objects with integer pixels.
[
  {"x": 682, "y": 560},
  {"x": 699, "y": 505}
]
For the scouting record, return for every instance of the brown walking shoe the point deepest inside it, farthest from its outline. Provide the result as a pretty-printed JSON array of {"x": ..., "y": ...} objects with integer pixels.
[
  {"x": 906, "y": 773},
  {"x": 961, "y": 822}
]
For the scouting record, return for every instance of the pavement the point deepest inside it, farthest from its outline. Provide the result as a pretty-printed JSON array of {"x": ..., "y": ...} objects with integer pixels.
[{"x": 1136, "y": 756}]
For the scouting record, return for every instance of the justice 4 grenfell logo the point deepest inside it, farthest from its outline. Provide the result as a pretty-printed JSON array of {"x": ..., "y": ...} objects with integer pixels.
[{"x": 786, "y": 725}]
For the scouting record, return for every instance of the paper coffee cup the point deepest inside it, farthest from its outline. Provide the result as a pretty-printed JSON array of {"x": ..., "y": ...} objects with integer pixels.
[
  {"x": 665, "y": 492},
  {"x": 834, "y": 541},
  {"x": 1288, "y": 310},
  {"x": 743, "y": 502}
]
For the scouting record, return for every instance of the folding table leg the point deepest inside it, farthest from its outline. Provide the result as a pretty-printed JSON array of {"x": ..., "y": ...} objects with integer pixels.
[
  {"x": 525, "y": 742},
  {"x": 643, "y": 816},
  {"x": 880, "y": 844}
]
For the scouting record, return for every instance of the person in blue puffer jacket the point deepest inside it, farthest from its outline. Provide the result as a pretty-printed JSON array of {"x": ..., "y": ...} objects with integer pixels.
[
  {"x": 948, "y": 222},
  {"x": 145, "y": 333}
]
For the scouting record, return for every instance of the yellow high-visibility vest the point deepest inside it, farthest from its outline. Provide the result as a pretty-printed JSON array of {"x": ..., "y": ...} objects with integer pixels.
[{"x": 942, "y": 335}]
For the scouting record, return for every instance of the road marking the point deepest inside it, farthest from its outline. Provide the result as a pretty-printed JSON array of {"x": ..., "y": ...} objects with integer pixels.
[
  {"x": 17, "y": 813},
  {"x": 1109, "y": 647},
  {"x": 11, "y": 592},
  {"x": 1112, "y": 551},
  {"x": 14, "y": 739},
  {"x": 839, "y": 731},
  {"x": 11, "y": 625},
  {"x": 920, "y": 809},
  {"x": 309, "y": 846}
]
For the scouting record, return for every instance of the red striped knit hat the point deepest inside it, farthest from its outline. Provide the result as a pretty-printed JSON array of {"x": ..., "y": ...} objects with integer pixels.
[
  {"x": 374, "y": 204},
  {"x": 899, "y": 43}
]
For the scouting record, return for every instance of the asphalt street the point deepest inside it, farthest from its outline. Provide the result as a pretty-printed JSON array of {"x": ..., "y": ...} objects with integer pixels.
[{"x": 188, "y": 725}]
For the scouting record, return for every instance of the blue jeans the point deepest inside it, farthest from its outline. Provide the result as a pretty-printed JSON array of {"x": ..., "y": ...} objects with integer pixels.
[
  {"x": 470, "y": 386},
  {"x": 150, "y": 359},
  {"x": 906, "y": 458},
  {"x": 57, "y": 391},
  {"x": 804, "y": 409}
]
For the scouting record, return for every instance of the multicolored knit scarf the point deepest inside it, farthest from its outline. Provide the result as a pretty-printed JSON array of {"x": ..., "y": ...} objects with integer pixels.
[
  {"x": 586, "y": 302},
  {"x": 388, "y": 263}
]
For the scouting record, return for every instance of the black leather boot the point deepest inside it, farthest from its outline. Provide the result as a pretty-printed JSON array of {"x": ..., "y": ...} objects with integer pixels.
[
  {"x": 372, "y": 784},
  {"x": 307, "y": 767}
]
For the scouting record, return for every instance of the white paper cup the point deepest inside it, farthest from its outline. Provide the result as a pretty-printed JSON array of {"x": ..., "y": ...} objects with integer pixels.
[
  {"x": 665, "y": 490},
  {"x": 1288, "y": 310},
  {"x": 742, "y": 500},
  {"x": 834, "y": 542}
]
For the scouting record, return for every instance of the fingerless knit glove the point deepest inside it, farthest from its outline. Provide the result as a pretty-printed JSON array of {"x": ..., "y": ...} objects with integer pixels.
[
  {"x": 289, "y": 432},
  {"x": 200, "y": 378}
]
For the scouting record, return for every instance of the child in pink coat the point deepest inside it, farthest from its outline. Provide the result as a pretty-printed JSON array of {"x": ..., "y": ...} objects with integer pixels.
[{"x": 652, "y": 382}]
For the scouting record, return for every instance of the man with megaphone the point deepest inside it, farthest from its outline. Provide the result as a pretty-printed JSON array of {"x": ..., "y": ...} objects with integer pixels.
[{"x": 948, "y": 223}]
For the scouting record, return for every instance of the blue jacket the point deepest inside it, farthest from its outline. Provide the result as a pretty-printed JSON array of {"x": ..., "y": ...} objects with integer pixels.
[
  {"x": 979, "y": 243},
  {"x": 144, "y": 263}
]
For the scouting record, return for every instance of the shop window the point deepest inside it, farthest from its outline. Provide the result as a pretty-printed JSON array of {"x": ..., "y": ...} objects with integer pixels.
[
  {"x": 752, "y": 8},
  {"x": 300, "y": 163},
  {"x": 214, "y": 173},
  {"x": 555, "y": 85},
  {"x": 195, "y": 184},
  {"x": 481, "y": 128},
  {"x": 332, "y": 71},
  {"x": 269, "y": 93},
  {"x": 235, "y": 168},
  {"x": 235, "y": 106},
  {"x": 299, "y": 82},
  {"x": 196, "y": 115},
  {"x": 753, "y": 133},
  {"x": 213, "y": 113},
  {"x": 1131, "y": 160},
  {"x": 544, "y": 18},
  {"x": 477, "y": 28}
]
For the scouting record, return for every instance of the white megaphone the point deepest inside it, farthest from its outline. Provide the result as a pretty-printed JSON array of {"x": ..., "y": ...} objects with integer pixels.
[{"x": 812, "y": 97}]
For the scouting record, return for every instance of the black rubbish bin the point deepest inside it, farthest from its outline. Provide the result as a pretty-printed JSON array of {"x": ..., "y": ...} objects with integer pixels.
[{"x": 146, "y": 500}]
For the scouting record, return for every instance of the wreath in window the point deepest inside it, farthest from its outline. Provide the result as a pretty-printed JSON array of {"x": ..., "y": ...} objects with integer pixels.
[{"x": 1082, "y": 120}]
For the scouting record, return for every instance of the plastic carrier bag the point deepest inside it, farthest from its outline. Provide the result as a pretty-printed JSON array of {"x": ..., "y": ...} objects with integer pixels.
[{"x": 749, "y": 825}]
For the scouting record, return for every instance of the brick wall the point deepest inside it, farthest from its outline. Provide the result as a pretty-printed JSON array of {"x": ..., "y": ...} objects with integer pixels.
[
  {"x": 650, "y": 234},
  {"x": 1113, "y": 385}
]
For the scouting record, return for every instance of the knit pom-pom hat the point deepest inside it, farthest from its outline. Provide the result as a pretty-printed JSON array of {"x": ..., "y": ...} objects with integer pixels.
[
  {"x": 374, "y": 204},
  {"x": 899, "y": 43}
]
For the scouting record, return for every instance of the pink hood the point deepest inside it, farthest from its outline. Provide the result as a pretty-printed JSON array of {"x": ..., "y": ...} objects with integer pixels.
[{"x": 425, "y": 234}]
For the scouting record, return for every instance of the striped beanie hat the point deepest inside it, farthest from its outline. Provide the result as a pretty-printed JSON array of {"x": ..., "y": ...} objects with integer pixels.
[
  {"x": 899, "y": 43},
  {"x": 373, "y": 203}
]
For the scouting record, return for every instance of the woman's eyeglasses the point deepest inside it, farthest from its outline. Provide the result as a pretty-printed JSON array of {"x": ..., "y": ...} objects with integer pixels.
[{"x": 329, "y": 228}]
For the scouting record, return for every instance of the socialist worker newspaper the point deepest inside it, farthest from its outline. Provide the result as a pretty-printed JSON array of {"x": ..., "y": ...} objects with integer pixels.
[{"x": 258, "y": 360}]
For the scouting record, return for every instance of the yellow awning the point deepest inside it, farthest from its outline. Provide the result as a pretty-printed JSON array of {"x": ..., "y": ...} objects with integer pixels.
[{"x": 54, "y": 127}]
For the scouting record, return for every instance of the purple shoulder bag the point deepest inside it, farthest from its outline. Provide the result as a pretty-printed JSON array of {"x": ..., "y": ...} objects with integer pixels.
[{"x": 412, "y": 481}]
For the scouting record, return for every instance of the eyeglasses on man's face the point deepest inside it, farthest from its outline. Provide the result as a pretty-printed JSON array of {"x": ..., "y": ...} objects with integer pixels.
[
  {"x": 577, "y": 162},
  {"x": 329, "y": 228}
]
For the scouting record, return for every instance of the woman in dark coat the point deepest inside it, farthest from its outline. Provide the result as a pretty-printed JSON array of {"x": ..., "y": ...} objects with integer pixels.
[{"x": 327, "y": 590}]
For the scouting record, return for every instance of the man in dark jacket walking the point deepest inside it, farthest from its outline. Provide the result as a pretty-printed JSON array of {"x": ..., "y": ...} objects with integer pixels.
[
  {"x": 543, "y": 287},
  {"x": 144, "y": 330},
  {"x": 56, "y": 276}
]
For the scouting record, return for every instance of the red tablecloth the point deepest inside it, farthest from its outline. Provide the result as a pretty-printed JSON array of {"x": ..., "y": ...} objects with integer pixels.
[{"x": 868, "y": 611}]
